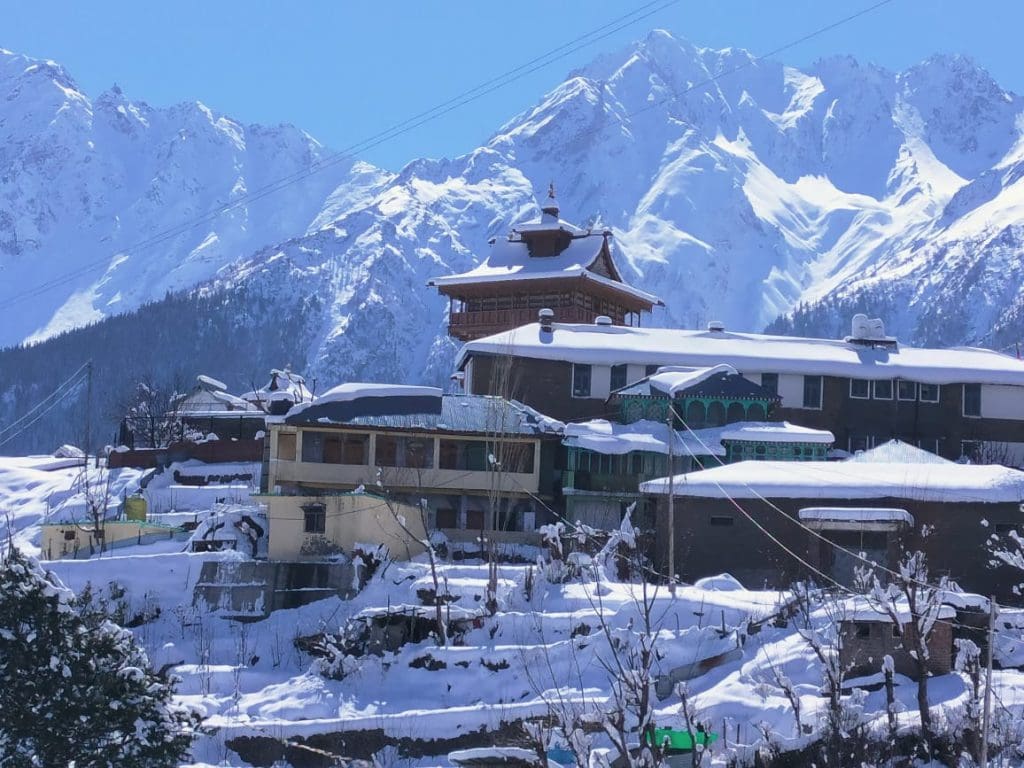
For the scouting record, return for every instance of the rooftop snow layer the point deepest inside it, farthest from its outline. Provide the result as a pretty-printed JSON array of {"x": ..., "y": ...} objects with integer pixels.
[
  {"x": 864, "y": 609},
  {"x": 611, "y": 438},
  {"x": 774, "y": 432},
  {"x": 947, "y": 482},
  {"x": 448, "y": 413},
  {"x": 510, "y": 259},
  {"x": 896, "y": 451},
  {"x": 748, "y": 353},
  {"x": 672, "y": 380}
]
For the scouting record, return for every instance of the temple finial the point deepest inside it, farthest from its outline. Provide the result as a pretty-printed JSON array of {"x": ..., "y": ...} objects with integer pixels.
[{"x": 550, "y": 206}]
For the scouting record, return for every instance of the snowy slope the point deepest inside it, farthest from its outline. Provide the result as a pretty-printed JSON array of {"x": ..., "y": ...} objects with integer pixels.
[
  {"x": 85, "y": 181},
  {"x": 737, "y": 189}
]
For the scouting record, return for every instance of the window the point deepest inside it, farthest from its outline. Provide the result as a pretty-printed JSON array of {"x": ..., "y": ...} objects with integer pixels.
[
  {"x": 285, "y": 446},
  {"x": 928, "y": 393},
  {"x": 812, "y": 391},
  {"x": 883, "y": 389},
  {"x": 906, "y": 390},
  {"x": 334, "y": 448},
  {"x": 69, "y": 535},
  {"x": 446, "y": 517},
  {"x": 859, "y": 389},
  {"x": 896, "y": 631},
  {"x": 650, "y": 370},
  {"x": 770, "y": 381},
  {"x": 862, "y": 629},
  {"x": 314, "y": 518},
  {"x": 580, "y": 380},
  {"x": 414, "y": 452},
  {"x": 721, "y": 521},
  {"x": 972, "y": 399},
  {"x": 618, "y": 377},
  {"x": 930, "y": 444},
  {"x": 969, "y": 449}
]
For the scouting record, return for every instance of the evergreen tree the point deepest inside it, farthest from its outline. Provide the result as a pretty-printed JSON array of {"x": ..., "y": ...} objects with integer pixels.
[{"x": 76, "y": 689}]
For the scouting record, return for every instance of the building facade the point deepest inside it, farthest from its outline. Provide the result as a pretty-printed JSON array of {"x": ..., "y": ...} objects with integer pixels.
[
  {"x": 866, "y": 391},
  {"x": 755, "y": 519},
  {"x": 480, "y": 463}
]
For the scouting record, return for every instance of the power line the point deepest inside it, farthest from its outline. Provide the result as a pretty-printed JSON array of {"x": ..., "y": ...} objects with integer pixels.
[
  {"x": 555, "y": 54},
  {"x": 441, "y": 110},
  {"x": 52, "y": 405},
  {"x": 66, "y": 383}
]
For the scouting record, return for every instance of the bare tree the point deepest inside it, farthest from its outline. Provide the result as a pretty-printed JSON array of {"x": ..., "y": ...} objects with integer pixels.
[
  {"x": 149, "y": 411},
  {"x": 914, "y": 607},
  {"x": 94, "y": 484}
]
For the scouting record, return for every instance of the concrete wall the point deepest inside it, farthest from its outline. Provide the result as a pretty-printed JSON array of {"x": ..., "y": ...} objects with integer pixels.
[
  {"x": 350, "y": 519},
  {"x": 251, "y": 589}
]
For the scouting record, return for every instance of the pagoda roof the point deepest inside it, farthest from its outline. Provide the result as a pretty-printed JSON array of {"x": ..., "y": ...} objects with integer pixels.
[{"x": 510, "y": 260}]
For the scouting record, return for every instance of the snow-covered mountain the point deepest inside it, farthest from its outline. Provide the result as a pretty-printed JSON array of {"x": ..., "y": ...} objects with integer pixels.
[{"x": 737, "y": 189}]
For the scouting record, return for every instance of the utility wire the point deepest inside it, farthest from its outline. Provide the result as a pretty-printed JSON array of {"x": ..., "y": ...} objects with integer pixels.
[
  {"x": 439, "y": 111},
  {"x": 62, "y": 390}
]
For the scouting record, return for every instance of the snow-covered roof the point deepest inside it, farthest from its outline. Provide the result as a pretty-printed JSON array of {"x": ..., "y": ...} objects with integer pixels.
[
  {"x": 354, "y": 390},
  {"x": 899, "y": 452},
  {"x": 860, "y": 608},
  {"x": 849, "y": 480},
  {"x": 856, "y": 515},
  {"x": 510, "y": 259},
  {"x": 671, "y": 380},
  {"x": 652, "y": 436},
  {"x": 747, "y": 353},
  {"x": 284, "y": 385},
  {"x": 611, "y": 438},
  {"x": 370, "y": 406},
  {"x": 774, "y": 432},
  {"x": 207, "y": 402}
]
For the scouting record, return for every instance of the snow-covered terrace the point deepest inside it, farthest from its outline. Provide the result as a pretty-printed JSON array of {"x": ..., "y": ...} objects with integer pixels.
[{"x": 747, "y": 352}]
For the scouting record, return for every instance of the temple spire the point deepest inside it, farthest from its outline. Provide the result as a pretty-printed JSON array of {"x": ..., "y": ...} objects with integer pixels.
[{"x": 550, "y": 206}]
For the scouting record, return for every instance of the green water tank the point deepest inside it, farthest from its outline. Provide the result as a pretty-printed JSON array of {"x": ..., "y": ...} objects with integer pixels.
[{"x": 135, "y": 508}]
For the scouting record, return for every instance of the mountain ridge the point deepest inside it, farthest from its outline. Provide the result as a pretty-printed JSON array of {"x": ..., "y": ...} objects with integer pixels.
[{"x": 771, "y": 195}]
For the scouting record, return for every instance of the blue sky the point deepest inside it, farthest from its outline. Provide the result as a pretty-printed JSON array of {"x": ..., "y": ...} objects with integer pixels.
[{"x": 346, "y": 70}]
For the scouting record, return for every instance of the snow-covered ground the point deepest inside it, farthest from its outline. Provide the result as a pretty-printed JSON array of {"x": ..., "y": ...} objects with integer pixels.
[
  {"x": 252, "y": 680},
  {"x": 548, "y": 645}
]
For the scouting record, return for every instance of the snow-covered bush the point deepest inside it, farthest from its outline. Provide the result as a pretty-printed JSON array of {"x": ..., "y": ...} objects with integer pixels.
[{"x": 75, "y": 688}]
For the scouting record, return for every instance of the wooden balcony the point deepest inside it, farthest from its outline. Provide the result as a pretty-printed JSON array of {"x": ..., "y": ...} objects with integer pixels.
[{"x": 466, "y": 326}]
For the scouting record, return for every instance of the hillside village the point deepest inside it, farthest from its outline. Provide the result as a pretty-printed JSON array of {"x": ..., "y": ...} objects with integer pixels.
[{"x": 602, "y": 543}]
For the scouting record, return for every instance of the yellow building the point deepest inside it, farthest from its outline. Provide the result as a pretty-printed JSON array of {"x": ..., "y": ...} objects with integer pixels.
[
  {"x": 309, "y": 527},
  {"x": 480, "y": 463},
  {"x": 70, "y": 539}
]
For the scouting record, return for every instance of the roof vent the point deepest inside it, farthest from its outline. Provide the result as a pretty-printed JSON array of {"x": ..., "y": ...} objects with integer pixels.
[
  {"x": 546, "y": 317},
  {"x": 602, "y": 320},
  {"x": 716, "y": 326}
]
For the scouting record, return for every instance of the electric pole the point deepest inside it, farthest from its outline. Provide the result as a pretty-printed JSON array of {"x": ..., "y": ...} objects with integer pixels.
[
  {"x": 88, "y": 410},
  {"x": 988, "y": 683},
  {"x": 671, "y": 506}
]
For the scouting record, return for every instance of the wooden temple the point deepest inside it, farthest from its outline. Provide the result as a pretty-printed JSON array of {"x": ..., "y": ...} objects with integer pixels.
[{"x": 548, "y": 264}]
